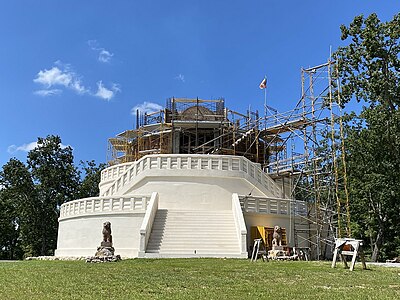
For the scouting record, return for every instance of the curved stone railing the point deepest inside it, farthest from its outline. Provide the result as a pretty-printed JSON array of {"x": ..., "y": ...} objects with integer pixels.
[
  {"x": 110, "y": 174},
  {"x": 273, "y": 206},
  {"x": 196, "y": 162},
  {"x": 103, "y": 205}
]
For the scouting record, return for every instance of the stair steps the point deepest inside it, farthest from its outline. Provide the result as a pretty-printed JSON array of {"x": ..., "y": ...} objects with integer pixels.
[{"x": 193, "y": 234}]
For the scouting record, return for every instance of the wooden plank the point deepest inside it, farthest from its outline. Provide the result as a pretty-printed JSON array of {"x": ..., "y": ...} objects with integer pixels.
[
  {"x": 353, "y": 261},
  {"x": 335, "y": 252},
  {"x": 350, "y": 253},
  {"x": 285, "y": 127}
]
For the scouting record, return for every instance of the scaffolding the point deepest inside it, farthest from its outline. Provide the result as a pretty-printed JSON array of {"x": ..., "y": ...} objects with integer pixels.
[
  {"x": 301, "y": 149},
  {"x": 191, "y": 126},
  {"x": 307, "y": 151}
]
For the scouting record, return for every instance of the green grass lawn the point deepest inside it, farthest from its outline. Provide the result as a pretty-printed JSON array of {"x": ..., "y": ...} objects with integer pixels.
[{"x": 194, "y": 279}]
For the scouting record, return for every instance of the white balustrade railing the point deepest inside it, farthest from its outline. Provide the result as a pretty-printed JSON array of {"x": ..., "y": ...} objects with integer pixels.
[
  {"x": 103, "y": 205},
  {"x": 147, "y": 224},
  {"x": 275, "y": 206},
  {"x": 113, "y": 172},
  {"x": 195, "y": 162},
  {"x": 240, "y": 224}
]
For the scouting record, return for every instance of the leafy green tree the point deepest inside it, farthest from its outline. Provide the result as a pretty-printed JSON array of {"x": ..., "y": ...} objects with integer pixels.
[
  {"x": 8, "y": 228},
  {"x": 369, "y": 68},
  {"x": 373, "y": 158},
  {"x": 89, "y": 186},
  {"x": 56, "y": 180},
  {"x": 16, "y": 196},
  {"x": 370, "y": 64},
  {"x": 31, "y": 196}
]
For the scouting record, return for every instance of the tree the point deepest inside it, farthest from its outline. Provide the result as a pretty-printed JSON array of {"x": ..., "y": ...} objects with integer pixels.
[
  {"x": 31, "y": 196},
  {"x": 56, "y": 180},
  {"x": 373, "y": 145},
  {"x": 89, "y": 186},
  {"x": 370, "y": 64},
  {"x": 16, "y": 195},
  {"x": 369, "y": 67}
]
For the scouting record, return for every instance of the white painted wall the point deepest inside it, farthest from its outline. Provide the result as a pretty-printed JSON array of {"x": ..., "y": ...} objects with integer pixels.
[
  {"x": 82, "y": 235},
  {"x": 169, "y": 165},
  {"x": 191, "y": 192}
]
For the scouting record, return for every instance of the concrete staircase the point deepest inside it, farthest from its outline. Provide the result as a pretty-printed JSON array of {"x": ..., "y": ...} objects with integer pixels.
[{"x": 185, "y": 233}]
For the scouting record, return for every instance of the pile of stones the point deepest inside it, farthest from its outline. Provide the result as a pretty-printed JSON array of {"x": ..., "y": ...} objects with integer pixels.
[
  {"x": 101, "y": 259},
  {"x": 56, "y": 258}
]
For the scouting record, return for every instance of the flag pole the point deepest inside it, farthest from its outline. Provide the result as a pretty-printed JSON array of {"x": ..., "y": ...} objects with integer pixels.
[
  {"x": 263, "y": 85},
  {"x": 265, "y": 99},
  {"x": 265, "y": 104}
]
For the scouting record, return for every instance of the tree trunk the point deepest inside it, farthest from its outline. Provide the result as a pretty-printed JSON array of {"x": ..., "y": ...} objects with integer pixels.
[
  {"x": 371, "y": 240},
  {"x": 377, "y": 245}
]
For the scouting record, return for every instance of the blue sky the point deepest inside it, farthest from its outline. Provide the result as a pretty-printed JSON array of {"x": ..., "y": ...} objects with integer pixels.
[{"x": 77, "y": 68}]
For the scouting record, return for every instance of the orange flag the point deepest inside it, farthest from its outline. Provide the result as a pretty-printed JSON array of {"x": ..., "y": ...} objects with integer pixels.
[{"x": 263, "y": 83}]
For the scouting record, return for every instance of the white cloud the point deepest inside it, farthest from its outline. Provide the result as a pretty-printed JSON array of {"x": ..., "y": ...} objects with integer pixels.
[
  {"x": 146, "y": 107},
  {"x": 104, "y": 55},
  {"x": 93, "y": 44},
  {"x": 62, "y": 76},
  {"x": 78, "y": 87},
  {"x": 28, "y": 147},
  {"x": 116, "y": 87},
  {"x": 25, "y": 147},
  {"x": 180, "y": 77},
  {"x": 54, "y": 76},
  {"x": 45, "y": 93},
  {"x": 59, "y": 75},
  {"x": 105, "y": 93}
]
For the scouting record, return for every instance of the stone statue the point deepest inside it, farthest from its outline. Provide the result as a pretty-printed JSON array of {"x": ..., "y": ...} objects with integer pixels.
[
  {"x": 277, "y": 236},
  {"x": 106, "y": 248},
  {"x": 107, "y": 237},
  {"x": 277, "y": 251},
  {"x": 105, "y": 253}
]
